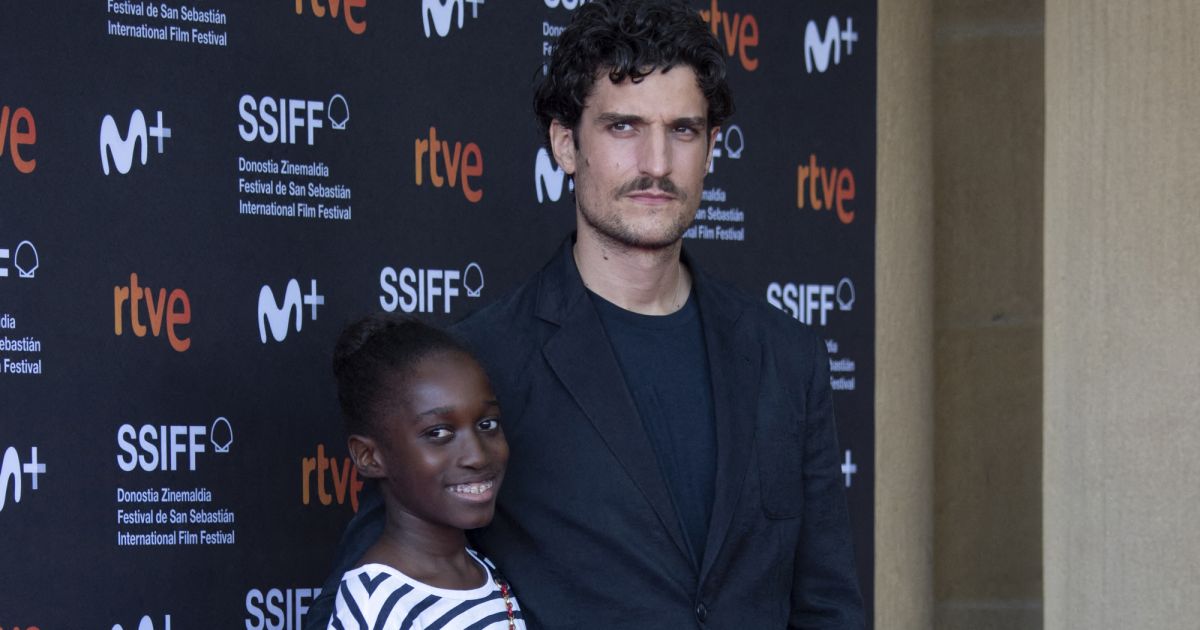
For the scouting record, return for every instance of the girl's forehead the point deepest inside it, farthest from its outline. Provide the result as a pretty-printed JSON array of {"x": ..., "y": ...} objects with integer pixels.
[{"x": 446, "y": 376}]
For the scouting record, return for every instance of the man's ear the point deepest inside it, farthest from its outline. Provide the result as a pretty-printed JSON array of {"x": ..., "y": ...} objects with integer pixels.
[
  {"x": 367, "y": 458},
  {"x": 712, "y": 143},
  {"x": 562, "y": 144}
]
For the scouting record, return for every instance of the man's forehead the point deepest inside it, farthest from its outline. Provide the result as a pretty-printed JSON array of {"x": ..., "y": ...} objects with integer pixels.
[{"x": 674, "y": 91}]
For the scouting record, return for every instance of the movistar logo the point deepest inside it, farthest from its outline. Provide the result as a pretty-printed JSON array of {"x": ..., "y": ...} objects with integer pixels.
[{"x": 275, "y": 315}]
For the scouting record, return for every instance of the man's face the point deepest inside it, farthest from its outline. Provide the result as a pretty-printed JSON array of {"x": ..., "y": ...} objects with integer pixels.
[{"x": 643, "y": 150}]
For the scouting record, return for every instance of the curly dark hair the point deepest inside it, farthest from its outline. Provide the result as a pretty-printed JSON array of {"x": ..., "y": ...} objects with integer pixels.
[
  {"x": 371, "y": 349},
  {"x": 629, "y": 39}
]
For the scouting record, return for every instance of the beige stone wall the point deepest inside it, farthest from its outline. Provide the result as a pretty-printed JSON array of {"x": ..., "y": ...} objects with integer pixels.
[
  {"x": 988, "y": 112},
  {"x": 1038, "y": 402},
  {"x": 904, "y": 316},
  {"x": 1122, "y": 314}
]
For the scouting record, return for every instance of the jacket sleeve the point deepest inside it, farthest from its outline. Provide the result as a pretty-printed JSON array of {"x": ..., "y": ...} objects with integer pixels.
[
  {"x": 825, "y": 590},
  {"x": 362, "y": 532}
]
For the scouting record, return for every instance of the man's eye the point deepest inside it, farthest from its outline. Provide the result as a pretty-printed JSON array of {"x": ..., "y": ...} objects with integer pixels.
[
  {"x": 621, "y": 126},
  {"x": 686, "y": 131},
  {"x": 489, "y": 424}
]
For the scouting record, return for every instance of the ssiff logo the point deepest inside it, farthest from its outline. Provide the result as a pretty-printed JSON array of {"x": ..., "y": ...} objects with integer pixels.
[
  {"x": 811, "y": 303},
  {"x": 153, "y": 448},
  {"x": 738, "y": 32},
  {"x": 825, "y": 188},
  {"x": 285, "y": 120},
  {"x": 277, "y": 608},
  {"x": 441, "y": 12},
  {"x": 274, "y": 314},
  {"x": 148, "y": 624},
  {"x": 136, "y": 139},
  {"x": 346, "y": 7},
  {"x": 456, "y": 167},
  {"x": 175, "y": 311},
  {"x": 730, "y": 144},
  {"x": 820, "y": 50},
  {"x": 18, "y": 130},
  {"x": 11, "y": 469},
  {"x": 548, "y": 178},
  {"x": 25, "y": 259},
  {"x": 342, "y": 474},
  {"x": 417, "y": 290}
]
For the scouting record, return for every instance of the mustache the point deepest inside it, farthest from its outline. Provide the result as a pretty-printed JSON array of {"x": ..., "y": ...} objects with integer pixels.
[{"x": 646, "y": 182}]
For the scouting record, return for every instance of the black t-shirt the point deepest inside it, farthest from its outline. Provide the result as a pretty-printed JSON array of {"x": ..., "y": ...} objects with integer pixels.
[{"x": 665, "y": 364}]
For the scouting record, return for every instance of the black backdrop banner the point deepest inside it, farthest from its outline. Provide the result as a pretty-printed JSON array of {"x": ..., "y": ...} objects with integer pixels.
[{"x": 195, "y": 198}]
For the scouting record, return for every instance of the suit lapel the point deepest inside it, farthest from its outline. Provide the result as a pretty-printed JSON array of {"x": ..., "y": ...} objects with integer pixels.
[
  {"x": 581, "y": 357},
  {"x": 734, "y": 365}
]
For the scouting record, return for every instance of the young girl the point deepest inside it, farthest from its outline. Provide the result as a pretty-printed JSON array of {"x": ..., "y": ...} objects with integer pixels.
[{"x": 422, "y": 421}]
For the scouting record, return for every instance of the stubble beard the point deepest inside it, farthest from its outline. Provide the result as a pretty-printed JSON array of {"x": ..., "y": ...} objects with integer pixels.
[{"x": 612, "y": 228}]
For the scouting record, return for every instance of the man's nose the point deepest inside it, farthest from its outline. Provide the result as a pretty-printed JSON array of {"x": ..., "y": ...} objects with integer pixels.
[{"x": 655, "y": 158}]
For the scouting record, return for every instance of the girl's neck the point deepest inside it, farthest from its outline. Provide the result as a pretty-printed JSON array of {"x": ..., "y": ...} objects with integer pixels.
[{"x": 436, "y": 557}]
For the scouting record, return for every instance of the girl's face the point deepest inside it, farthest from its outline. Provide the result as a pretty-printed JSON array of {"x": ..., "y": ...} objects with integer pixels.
[{"x": 442, "y": 449}]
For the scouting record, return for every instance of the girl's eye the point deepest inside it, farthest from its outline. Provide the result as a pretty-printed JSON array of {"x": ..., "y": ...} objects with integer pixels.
[
  {"x": 439, "y": 433},
  {"x": 489, "y": 424}
]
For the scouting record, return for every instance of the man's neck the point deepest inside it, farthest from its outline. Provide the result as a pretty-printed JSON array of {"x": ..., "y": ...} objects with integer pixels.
[{"x": 645, "y": 281}]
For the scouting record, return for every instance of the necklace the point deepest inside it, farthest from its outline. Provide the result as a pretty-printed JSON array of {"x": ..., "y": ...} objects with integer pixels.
[{"x": 504, "y": 593}]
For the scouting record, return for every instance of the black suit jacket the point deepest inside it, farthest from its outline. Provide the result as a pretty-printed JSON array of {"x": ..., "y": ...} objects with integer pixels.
[{"x": 584, "y": 527}]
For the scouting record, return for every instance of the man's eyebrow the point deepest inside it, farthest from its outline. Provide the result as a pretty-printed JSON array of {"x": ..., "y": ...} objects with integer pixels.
[
  {"x": 609, "y": 118},
  {"x": 690, "y": 121}
]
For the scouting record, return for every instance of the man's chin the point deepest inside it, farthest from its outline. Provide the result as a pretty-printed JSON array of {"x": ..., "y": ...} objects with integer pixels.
[{"x": 646, "y": 238}]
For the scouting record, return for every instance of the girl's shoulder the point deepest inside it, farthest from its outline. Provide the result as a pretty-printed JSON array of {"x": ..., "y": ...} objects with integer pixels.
[
  {"x": 373, "y": 577},
  {"x": 376, "y": 591}
]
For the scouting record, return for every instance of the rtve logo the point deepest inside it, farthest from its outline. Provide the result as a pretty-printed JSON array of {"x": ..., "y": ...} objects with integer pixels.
[
  {"x": 159, "y": 447},
  {"x": 818, "y": 49},
  {"x": 11, "y": 469},
  {"x": 340, "y": 471},
  {"x": 811, "y": 303},
  {"x": 548, "y": 177},
  {"x": 272, "y": 119},
  {"x": 175, "y": 310},
  {"x": 18, "y": 129},
  {"x": 458, "y": 166},
  {"x": 825, "y": 188},
  {"x": 275, "y": 315},
  {"x": 148, "y": 624},
  {"x": 278, "y": 609},
  {"x": 345, "y": 7},
  {"x": 440, "y": 13},
  {"x": 122, "y": 148},
  {"x": 739, "y": 33},
  {"x": 422, "y": 287}
]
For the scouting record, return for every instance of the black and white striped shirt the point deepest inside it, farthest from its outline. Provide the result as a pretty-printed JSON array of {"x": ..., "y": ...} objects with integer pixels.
[{"x": 378, "y": 597}]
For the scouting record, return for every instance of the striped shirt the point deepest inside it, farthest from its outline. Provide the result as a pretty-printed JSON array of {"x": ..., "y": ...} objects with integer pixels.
[{"x": 378, "y": 597}]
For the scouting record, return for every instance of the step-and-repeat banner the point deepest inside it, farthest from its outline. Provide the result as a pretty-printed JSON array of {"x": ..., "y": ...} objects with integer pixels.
[{"x": 196, "y": 197}]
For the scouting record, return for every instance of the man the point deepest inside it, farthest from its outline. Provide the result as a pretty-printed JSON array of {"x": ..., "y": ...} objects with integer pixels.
[{"x": 674, "y": 459}]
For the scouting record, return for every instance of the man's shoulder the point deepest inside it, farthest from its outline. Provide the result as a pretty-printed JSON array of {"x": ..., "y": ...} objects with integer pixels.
[
  {"x": 505, "y": 333},
  {"x": 506, "y": 315},
  {"x": 774, "y": 325}
]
